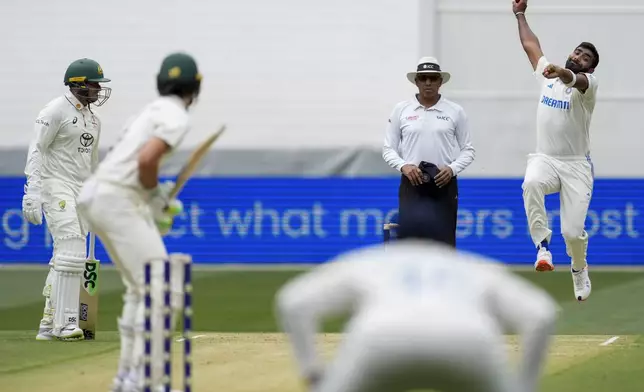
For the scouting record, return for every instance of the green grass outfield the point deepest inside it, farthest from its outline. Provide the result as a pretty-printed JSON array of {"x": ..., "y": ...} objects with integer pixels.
[{"x": 237, "y": 337}]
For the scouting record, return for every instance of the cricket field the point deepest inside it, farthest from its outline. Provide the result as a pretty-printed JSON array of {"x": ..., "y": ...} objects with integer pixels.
[{"x": 599, "y": 345}]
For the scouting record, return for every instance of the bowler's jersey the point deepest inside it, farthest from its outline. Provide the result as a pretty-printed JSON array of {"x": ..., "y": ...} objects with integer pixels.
[
  {"x": 427, "y": 278},
  {"x": 65, "y": 147},
  {"x": 563, "y": 116},
  {"x": 166, "y": 118}
]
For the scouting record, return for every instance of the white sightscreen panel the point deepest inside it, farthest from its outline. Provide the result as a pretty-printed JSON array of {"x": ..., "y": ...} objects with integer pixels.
[{"x": 280, "y": 73}]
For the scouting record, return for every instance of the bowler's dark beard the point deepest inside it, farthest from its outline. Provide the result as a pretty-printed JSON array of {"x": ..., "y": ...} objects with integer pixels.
[{"x": 576, "y": 68}]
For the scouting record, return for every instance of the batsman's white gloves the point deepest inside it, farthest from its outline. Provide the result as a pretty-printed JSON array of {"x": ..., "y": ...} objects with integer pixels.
[
  {"x": 163, "y": 208},
  {"x": 32, "y": 206}
]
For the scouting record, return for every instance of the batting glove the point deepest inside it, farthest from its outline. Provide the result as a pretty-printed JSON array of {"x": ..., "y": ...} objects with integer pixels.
[
  {"x": 32, "y": 206},
  {"x": 165, "y": 222},
  {"x": 163, "y": 208}
]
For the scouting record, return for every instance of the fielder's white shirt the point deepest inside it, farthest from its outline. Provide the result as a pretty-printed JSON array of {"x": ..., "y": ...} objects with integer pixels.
[
  {"x": 166, "y": 118},
  {"x": 422, "y": 276},
  {"x": 439, "y": 135},
  {"x": 563, "y": 116},
  {"x": 65, "y": 146}
]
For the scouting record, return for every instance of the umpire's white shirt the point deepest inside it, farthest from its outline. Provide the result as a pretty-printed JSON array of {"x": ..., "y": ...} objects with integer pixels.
[{"x": 439, "y": 134}]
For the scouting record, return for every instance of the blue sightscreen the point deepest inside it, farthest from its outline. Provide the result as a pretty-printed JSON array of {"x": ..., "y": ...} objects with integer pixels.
[{"x": 296, "y": 220}]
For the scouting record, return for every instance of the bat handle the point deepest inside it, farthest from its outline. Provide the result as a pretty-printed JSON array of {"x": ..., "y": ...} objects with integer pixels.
[{"x": 92, "y": 246}]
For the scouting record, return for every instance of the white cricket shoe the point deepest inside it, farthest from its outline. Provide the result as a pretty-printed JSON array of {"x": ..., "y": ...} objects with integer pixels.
[
  {"x": 581, "y": 281},
  {"x": 160, "y": 388},
  {"x": 45, "y": 334},
  {"x": 117, "y": 384},
  {"x": 70, "y": 333},
  {"x": 544, "y": 261},
  {"x": 131, "y": 385},
  {"x": 126, "y": 385}
]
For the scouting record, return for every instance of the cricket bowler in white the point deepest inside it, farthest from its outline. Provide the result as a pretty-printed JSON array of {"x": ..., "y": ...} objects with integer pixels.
[
  {"x": 61, "y": 156},
  {"x": 128, "y": 210},
  {"x": 423, "y": 316},
  {"x": 561, "y": 163}
]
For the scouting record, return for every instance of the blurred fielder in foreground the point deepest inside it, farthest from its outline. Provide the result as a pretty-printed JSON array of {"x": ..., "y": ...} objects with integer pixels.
[
  {"x": 62, "y": 155},
  {"x": 561, "y": 163},
  {"x": 424, "y": 316},
  {"x": 128, "y": 210}
]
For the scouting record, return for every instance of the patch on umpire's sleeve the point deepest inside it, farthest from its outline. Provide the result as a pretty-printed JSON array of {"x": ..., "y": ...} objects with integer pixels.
[{"x": 389, "y": 120}]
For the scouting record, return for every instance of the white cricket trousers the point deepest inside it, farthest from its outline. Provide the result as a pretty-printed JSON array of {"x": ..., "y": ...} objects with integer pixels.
[
  {"x": 573, "y": 180},
  {"x": 123, "y": 222},
  {"x": 398, "y": 350}
]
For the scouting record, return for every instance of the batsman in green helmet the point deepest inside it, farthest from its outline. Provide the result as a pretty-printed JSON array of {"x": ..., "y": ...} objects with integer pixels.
[
  {"x": 130, "y": 212},
  {"x": 179, "y": 77},
  {"x": 84, "y": 78},
  {"x": 62, "y": 155}
]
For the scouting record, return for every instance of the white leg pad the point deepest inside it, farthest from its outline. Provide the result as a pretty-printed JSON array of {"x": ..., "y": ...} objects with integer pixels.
[
  {"x": 49, "y": 282},
  {"x": 135, "y": 374},
  {"x": 48, "y": 311},
  {"x": 69, "y": 263},
  {"x": 127, "y": 327},
  {"x": 67, "y": 295}
]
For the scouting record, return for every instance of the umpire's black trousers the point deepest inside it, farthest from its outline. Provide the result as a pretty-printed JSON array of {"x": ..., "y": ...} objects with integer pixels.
[{"x": 446, "y": 196}]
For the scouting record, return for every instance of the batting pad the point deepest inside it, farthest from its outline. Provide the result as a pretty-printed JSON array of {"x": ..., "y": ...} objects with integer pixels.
[
  {"x": 69, "y": 255},
  {"x": 49, "y": 283},
  {"x": 67, "y": 294}
]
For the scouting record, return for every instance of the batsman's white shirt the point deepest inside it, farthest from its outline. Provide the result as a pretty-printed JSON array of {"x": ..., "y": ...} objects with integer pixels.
[
  {"x": 116, "y": 206},
  {"x": 563, "y": 116},
  {"x": 417, "y": 285},
  {"x": 166, "y": 118},
  {"x": 65, "y": 147}
]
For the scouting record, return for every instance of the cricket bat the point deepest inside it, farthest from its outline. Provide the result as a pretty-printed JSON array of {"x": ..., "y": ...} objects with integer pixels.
[
  {"x": 193, "y": 162},
  {"x": 88, "y": 310}
]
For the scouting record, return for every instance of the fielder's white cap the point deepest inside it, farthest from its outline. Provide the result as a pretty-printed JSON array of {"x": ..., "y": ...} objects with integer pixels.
[{"x": 428, "y": 65}]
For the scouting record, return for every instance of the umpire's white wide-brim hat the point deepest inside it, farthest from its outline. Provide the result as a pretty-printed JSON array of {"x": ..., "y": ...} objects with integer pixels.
[{"x": 428, "y": 65}]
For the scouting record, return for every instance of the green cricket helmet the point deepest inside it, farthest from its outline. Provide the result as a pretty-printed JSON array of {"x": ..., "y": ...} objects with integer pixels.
[
  {"x": 83, "y": 77},
  {"x": 179, "y": 76}
]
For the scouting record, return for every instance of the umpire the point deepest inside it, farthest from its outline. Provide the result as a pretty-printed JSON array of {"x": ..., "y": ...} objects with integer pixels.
[{"x": 428, "y": 141}]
